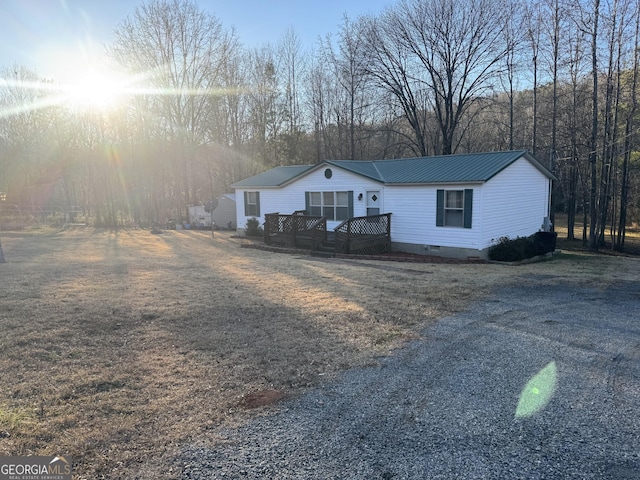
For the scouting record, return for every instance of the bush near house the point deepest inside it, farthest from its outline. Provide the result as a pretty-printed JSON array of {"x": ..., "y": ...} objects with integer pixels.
[
  {"x": 253, "y": 228},
  {"x": 521, "y": 248}
]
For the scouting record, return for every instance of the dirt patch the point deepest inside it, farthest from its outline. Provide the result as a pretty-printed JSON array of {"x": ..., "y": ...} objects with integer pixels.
[
  {"x": 122, "y": 347},
  {"x": 262, "y": 398}
]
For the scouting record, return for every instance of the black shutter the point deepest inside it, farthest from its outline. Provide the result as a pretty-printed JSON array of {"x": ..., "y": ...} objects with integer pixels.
[
  {"x": 257, "y": 204},
  {"x": 246, "y": 207},
  {"x": 468, "y": 207},
  {"x": 350, "y": 211},
  {"x": 307, "y": 203},
  {"x": 440, "y": 208}
]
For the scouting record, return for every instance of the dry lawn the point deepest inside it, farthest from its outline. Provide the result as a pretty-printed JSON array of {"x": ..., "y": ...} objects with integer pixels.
[{"x": 119, "y": 348}]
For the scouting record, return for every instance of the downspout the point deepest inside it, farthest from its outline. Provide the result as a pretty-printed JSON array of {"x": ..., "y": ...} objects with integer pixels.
[{"x": 548, "y": 213}]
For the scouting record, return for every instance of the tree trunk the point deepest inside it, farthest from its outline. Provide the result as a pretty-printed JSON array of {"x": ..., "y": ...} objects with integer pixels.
[
  {"x": 629, "y": 128},
  {"x": 593, "y": 156}
]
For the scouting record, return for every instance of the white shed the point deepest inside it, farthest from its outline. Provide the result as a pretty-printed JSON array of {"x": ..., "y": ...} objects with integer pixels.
[{"x": 453, "y": 205}]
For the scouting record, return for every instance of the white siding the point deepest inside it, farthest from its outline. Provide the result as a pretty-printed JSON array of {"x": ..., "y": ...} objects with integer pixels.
[
  {"x": 414, "y": 217},
  {"x": 291, "y": 197},
  {"x": 514, "y": 203}
]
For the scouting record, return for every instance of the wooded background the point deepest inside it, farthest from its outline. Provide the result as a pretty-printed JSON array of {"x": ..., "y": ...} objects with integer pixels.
[{"x": 558, "y": 78}]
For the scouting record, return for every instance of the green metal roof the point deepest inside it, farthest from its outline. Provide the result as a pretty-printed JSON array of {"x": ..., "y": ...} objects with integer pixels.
[
  {"x": 463, "y": 168},
  {"x": 275, "y": 177}
]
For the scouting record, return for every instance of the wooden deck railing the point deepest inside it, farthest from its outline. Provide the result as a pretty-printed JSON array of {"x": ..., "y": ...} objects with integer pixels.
[
  {"x": 296, "y": 230},
  {"x": 360, "y": 235},
  {"x": 364, "y": 235}
]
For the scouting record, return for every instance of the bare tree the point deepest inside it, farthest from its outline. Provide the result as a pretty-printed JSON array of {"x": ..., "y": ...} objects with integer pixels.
[
  {"x": 347, "y": 62},
  {"x": 611, "y": 23},
  {"x": 553, "y": 27},
  {"x": 219, "y": 159},
  {"x": 576, "y": 65},
  {"x": 23, "y": 125},
  {"x": 617, "y": 25},
  {"x": 392, "y": 69},
  {"x": 534, "y": 32},
  {"x": 513, "y": 38},
  {"x": 178, "y": 49},
  {"x": 316, "y": 105},
  {"x": 554, "y": 34},
  {"x": 264, "y": 113},
  {"x": 460, "y": 44},
  {"x": 291, "y": 65},
  {"x": 629, "y": 128},
  {"x": 589, "y": 24}
]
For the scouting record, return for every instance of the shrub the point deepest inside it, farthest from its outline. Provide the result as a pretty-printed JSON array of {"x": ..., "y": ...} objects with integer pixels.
[
  {"x": 521, "y": 248},
  {"x": 253, "y": 228}
]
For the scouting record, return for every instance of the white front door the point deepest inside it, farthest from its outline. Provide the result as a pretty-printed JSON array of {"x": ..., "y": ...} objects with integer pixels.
[{"x": 374, "y": 202}]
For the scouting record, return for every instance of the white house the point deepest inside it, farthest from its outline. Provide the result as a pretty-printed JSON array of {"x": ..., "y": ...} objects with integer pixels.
[{"x": 453, "y": 205}]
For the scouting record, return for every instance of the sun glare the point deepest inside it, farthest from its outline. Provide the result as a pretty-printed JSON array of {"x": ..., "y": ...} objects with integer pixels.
[{"x": 96, "y": 90}]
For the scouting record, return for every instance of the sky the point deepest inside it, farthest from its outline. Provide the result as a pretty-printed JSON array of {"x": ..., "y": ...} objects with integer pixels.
[{"x": 58, "y": 38}]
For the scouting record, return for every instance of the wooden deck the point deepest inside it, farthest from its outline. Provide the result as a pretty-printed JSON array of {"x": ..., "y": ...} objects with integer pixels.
[{"x": 357, "y": 235}]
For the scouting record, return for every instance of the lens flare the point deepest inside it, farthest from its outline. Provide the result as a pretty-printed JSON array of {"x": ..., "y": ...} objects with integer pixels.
[{"x": 538, "y": 391}]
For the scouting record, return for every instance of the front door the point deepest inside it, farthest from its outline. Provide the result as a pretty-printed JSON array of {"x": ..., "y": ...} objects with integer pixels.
[{"x": 373, "y": 202}]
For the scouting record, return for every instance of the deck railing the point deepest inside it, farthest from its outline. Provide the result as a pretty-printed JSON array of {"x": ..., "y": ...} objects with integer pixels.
[
  {"x": 364, "y": 235},
  {"x": 295, "y": 230},
  {"x": 359, "y": 235}
]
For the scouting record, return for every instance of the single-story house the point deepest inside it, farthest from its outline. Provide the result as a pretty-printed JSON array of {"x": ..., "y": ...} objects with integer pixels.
[
  {"x": 223, "y": 216},
  {"x": 451, "y": 205}
]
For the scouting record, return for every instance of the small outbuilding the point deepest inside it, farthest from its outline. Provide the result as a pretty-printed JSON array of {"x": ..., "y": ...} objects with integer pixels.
[
  {"x": 224, "y": 215},
  {"x": 452, "y": 205}
]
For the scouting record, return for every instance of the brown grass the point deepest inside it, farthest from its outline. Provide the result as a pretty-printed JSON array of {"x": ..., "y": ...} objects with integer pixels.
[{"x": 119, "y": 348}]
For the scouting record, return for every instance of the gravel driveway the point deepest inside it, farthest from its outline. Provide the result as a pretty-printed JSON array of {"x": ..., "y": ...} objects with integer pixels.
[{"x": 445, "y": 406}]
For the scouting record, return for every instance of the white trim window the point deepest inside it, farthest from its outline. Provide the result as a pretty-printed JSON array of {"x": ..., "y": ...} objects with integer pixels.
[
  {"x": 453, "y": 208},
  {"x": 332, "y": 205}
]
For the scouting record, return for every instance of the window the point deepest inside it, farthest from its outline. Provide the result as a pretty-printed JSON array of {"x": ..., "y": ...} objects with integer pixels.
[
  {"x": 328, "y": 205},
  {"x": 454, "y": 208},
  {"x": 332, "y": 205},
  {"x": 342, "y": 205},
  {"x": 252, "y": 204},
  {"x": 314, "y": 204}
]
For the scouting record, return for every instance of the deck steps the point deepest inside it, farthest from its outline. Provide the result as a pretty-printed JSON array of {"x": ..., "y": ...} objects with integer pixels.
[{"x": 327, "y": 249}]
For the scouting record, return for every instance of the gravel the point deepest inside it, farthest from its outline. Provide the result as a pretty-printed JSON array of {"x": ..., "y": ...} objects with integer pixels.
[{"x": 445, "y": 406}]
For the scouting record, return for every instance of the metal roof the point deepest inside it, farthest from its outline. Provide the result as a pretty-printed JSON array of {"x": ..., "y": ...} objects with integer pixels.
[
  {"x": 463, "y": 168},
  {"x": 275, "y": 177}
]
